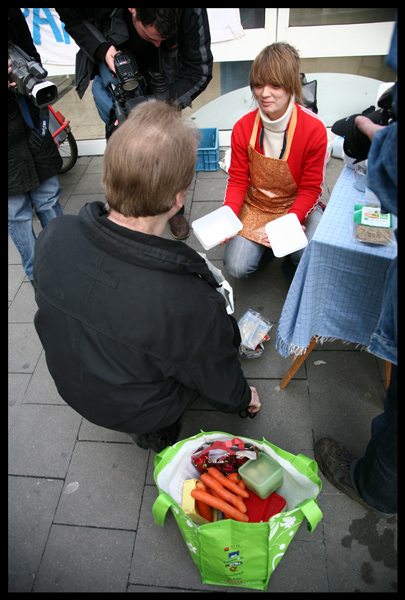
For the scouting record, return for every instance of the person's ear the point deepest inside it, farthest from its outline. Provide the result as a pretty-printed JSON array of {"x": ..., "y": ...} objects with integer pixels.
[{"x": 180, "y": 199}]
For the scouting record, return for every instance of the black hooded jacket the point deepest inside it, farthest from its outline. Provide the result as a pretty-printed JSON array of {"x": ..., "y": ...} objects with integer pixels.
[{"x": 133, "y": 327}]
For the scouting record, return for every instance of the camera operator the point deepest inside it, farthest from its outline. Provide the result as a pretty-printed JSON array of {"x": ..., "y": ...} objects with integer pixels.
[
  {"x": 174, "y": 42},
  {"x": 33, "y": 157}
]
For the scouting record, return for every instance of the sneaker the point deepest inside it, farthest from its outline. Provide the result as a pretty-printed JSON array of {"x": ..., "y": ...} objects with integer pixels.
[
  {"x": 179, "y": 227},
  {"x": 157, "y": 440},
  {"x": 334, "y": 461}
]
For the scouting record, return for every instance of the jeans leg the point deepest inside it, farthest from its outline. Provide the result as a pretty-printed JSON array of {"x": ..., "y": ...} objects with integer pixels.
[
  {"x": 45, "y": 199},
  {"x": 20, "y": 229},
  {"x": 102, "y": 95},
  {"x": 242, "y": 256},
  {"x": 375, "y": 474}
]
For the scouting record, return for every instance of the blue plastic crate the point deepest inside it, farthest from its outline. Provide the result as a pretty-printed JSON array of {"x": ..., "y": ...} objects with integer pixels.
[{"x": 208, "y": 151}]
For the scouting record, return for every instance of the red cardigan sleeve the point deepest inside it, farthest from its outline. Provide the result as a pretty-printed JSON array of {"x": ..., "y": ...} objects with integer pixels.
[
  {"x": 307, "y": 162},
  {"x": 239, "y": 177}
]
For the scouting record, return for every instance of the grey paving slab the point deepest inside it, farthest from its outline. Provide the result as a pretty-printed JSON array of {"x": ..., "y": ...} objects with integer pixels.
[
  {"x": 24, "y": 348},
  {"x": 24, "y": 307},
  {"x": 80, "y": 496},
  {"x": 110, "y": 492},
  {"x": 84, "y": 559},
  {"x": 41, "y": 440},
  {"x": 32, "y": 505},
  {"x": 41, "y": 388},
  {"x": 361, "y": 549},
  {"x": 17, "y": 386}
]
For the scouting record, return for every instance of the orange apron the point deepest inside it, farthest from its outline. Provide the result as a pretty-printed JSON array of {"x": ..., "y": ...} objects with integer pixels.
[{"x": 272, "y": 189}]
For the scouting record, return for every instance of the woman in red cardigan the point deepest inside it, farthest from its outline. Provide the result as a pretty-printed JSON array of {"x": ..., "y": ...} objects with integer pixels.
[{"x": 278, "y": 161}]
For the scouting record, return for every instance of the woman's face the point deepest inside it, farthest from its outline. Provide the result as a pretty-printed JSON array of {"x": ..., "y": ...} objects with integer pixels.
[{"x": 273, "y": 100}]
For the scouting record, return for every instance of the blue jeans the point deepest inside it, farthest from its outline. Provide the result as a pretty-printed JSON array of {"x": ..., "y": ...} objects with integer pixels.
[
  {"x": 103, "y": 96},
  {"x": 242, "y": 256},
  {"x": 375, "y": 475},
  {"x": 45, "y": 200}
]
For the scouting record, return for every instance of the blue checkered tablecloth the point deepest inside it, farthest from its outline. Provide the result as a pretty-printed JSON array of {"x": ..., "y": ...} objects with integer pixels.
[{"x": 337, "y": 290}]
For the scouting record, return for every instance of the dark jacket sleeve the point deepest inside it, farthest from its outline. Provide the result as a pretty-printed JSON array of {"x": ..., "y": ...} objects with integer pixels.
[
  {"x": 83, "y": 25},
  {"x": 194, "y": 59}
]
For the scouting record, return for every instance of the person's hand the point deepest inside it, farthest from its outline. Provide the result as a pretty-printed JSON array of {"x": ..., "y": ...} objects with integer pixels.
[
  {"x": 109, "y": 57},
  {"x": 255, "y": 403},
  {"x": 265, "y": 240},
  {"x": 12, "y": 83},
  {"x": 225, "y": 241},
  {"x": 367, "y": 126}
]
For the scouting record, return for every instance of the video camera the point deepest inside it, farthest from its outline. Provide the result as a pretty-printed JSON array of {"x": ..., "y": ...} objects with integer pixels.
[
  {"x": 357, "y": 144},
  {"x": 131, "y": 87},
  {"x": 29, "y": 76}
]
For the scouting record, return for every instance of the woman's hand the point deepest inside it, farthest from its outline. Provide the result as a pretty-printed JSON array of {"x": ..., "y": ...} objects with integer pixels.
[
  {"x": 265, "y": 239},
  {"x": 225, "y": 241}
]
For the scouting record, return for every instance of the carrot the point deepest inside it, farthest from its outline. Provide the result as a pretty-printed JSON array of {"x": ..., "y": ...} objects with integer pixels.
[
  {"x": 234, "y": 477},
  {"x": 223, "y": 493},
  {"x": 203, "y": 508},
  {"x": 220, "y": 505},
  {"x": 237, "y": 479},
  {"x": 209, "y": 490},
  {"x": 231, "y": 485}
]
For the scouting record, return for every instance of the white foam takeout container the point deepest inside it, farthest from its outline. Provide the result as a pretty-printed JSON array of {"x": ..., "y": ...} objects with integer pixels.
[
  {"x": 286, "y": 235},
  {"x": 216, "y": 227}
]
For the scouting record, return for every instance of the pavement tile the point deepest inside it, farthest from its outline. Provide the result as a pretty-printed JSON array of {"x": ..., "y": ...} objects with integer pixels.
[
  {"x": 104, "y": 486},
  {"x": 32, "y": 505},
  {"x": 41, "y": 440},
  {"x": 85, "y": 559},
  {"x": 24, "y": 347}
]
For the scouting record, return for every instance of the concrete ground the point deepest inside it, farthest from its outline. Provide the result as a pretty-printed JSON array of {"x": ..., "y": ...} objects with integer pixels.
[{"x": 80, "y": 496}]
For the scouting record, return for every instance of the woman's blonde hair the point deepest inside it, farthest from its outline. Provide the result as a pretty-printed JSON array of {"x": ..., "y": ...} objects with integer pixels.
[
  {"x": 148, "y": 160},
  {"x": 279, "y": 65}
]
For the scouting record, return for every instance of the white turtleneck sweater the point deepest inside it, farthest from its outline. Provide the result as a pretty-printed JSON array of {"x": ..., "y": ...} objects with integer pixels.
[{"x": 273, "y": 137}]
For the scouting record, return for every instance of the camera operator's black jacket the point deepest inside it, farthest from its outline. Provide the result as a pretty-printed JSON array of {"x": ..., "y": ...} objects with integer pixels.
[
  {"x": 31, "y": 160},
  {"x": 185, "y": 59},
  {"x": 133, "y": 327}
]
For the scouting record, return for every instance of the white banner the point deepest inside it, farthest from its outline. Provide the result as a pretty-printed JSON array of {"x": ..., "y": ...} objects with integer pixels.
[{"x": 55, "y": 46}]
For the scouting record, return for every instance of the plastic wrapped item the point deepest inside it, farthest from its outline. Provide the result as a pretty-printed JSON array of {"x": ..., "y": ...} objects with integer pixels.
[
  {"x": 370, "y": 225},
  {"x": 253, "y": 329},
  {"x": 227, "y": 458}
]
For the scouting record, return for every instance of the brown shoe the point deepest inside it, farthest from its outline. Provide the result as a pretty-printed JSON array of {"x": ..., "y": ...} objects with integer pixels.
[
  {"x": 179, "y": 227},
  {"x": 334, "y": 461}
]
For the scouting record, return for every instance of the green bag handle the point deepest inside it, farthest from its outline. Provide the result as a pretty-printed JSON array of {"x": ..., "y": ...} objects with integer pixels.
[
  {"x": 309, "y": 507},
  {"x": 302, "y": 463},
  {"x": 311, "y": 512},
  {"x": 160, "y": 507}
]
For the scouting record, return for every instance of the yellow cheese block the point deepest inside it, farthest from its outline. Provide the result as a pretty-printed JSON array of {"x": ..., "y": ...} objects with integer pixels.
[{"x": 189, "y": 504}]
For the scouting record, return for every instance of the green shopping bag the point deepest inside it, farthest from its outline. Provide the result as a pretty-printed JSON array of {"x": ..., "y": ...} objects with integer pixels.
[{"x": 229, "y": 552}]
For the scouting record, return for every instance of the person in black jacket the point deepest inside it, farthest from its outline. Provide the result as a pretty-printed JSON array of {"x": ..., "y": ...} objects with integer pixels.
[
  {"x": 33, "y": 160},
  {"x": 133, "y": 326},
  {"x": 174, "y": 42}
]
